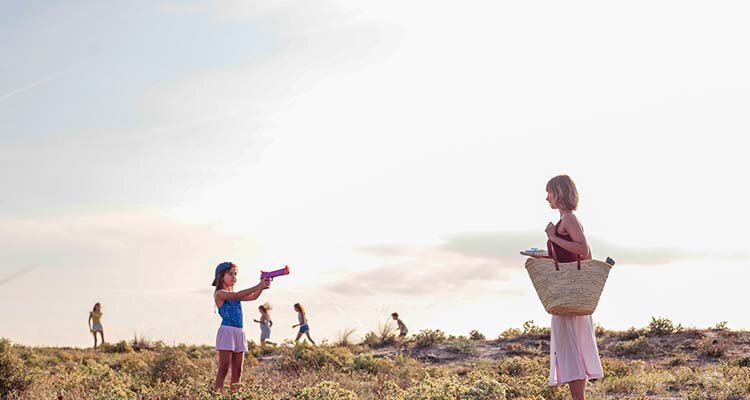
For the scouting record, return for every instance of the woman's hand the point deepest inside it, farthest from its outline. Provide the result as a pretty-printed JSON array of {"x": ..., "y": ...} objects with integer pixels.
[{"x": 551, "y": 230}]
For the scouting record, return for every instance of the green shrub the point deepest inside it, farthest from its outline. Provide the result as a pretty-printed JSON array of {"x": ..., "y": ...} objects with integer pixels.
[
  {"x": 632, "y": 333},
  {"x": 662, "y": 326},
  {"x": 120, "y": 347},
  {"x": 429, "y": 337},
  {"x": 712, "y": 347},
  {"x": 370, "y": 364},
  {"x": 14, "y": 377},
  {"x": 531, "y": 329},
  {"x": 510, "y": 333},
  {"x": 304, "y": 356},
  {"x": 636, "y": 347},
  {"x": 173, "y": 365},
  {"x": 476, "y": 335},
  {"x": 615, "y": 368},
  {"x": 326, "y": 390},
  {"x": 464, "y": 347}
]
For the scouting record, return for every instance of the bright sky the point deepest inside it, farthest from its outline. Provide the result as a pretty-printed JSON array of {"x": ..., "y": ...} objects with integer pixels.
[{"x": 393, "y": 155}]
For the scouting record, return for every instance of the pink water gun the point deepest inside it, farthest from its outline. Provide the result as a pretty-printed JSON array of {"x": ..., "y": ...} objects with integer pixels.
[{"x": 273, "y": 274}]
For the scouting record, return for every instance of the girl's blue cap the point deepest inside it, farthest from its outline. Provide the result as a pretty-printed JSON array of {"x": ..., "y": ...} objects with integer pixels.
[{"x": 219, "y": 269}]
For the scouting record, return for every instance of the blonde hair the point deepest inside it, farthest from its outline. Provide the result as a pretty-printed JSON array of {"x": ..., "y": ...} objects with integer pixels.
[
  {"x": 564, "y": 189},
  {"x": 300, "y": 308},
  {"x": 265, "y": 307}
]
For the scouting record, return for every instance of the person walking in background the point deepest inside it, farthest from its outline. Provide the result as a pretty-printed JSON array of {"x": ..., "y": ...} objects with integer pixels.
[
  {"x": 265, "y": 324},
  {"x": 304, "y": 328}
]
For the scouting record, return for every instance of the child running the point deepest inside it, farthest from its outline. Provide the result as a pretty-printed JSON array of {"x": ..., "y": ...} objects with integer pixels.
[
  {"x": 230, "y": 339},
  {"x": 402, "y": 330},
  {"x": 265, "y": 324},
  {"x": 304, "y": 328}
]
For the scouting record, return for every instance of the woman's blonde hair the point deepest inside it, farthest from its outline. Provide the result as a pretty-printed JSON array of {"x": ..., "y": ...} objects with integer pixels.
[
  {"x": 564, "y": 189},
  {"x": 265, "y": 307},
  {"x": 300, "y": 308}
]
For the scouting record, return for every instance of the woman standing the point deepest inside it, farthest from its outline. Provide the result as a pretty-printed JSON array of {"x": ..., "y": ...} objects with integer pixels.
[
  {"x": 574, "y": 357},
  {"x": 95, "y": 316}
]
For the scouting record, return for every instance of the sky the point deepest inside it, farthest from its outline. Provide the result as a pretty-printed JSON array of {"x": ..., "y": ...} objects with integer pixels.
[{"x": 393, "y": 155}]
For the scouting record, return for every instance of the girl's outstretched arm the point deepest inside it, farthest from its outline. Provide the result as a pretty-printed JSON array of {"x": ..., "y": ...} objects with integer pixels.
[{"x": 242, "y": 295}]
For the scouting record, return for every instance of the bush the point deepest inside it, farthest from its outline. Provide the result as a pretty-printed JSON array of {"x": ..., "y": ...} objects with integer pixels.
[
  {"x": 712, "y": 347},
  {"x": 173, "y": 365},
  {"x": 510, "y": 333},
  {"x": 428, "y": 337},
  {"x": 383, "y": 337},
  {"x": 370, "y": 364},
  {"x": 721, "y": 326},
  {"x": 635, "y": 347},
  {"x": 521, "y": 366},
  {"x": 326, "y": 390},
  {"x": 345, "y": 338},
  {"x": 530, "y": 329},
  {"x": 462, "y": 347},
  {"x": 476, "y": 335},
  {"x": 120, "y": 347},
  {"x": 14, "y": 378},
  {"x": 632, "y": 333},
  {"x": 662, "y": 326},
  {"x": 475, "y": 387},
  {"x": 304, "y": 356},
  {"x": 615, "y": 368}
]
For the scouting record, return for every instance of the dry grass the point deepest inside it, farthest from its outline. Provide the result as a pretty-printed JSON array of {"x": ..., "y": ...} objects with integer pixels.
[{"x": 711, "y": 364}]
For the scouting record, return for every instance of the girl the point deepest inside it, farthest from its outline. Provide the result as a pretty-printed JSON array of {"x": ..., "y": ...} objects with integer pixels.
[
  {"x": 303, "y": 327},
  {"x": 574, "y": 357},
  {"x": 265, "y": 324},
  {"x": 230, "y": 339},
  {"x": 96, "y": 316}
]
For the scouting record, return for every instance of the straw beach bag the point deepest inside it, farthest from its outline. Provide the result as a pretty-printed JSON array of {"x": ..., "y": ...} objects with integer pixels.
[{"x": 570, "y": 288}]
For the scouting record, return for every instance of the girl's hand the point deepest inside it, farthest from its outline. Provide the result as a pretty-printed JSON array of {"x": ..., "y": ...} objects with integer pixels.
[
  {"x": 265, "y": 283},
  {"x": 551, "y": 230}
]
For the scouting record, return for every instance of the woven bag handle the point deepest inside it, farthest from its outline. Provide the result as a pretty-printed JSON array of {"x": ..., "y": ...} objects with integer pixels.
[{"x": 552, "y": 252}]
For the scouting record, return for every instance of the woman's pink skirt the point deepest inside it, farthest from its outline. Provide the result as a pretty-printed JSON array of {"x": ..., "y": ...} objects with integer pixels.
[
  {"x": 573, "y": 354},
  {"x": 232, "y": 339}
]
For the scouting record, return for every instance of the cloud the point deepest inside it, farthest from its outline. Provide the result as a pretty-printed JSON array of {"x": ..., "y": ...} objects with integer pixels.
[
  {"x": 140, "y": 250},
  {"x": 30, "y": 86},
  {"x": 15, "y": 275},
  {"x": 481, "y": 262},
  {"x": 505, "y": 245},
  {"x": 416, "y": 271}
]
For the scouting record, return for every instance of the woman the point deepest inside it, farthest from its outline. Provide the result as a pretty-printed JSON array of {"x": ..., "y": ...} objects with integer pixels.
[{"x": 574, "y": 357}]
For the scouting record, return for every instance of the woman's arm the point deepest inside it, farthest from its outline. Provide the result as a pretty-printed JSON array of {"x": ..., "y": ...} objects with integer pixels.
[
  {"x": 90, "y": 328},
  {"x": 578, "y": 244}
]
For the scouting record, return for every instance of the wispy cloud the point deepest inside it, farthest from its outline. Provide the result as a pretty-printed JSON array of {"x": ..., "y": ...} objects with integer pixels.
[
  {"x": 483, "y": 261},
  {"x": 15, "y": 275},
  {"x": 30, "y": 86}
]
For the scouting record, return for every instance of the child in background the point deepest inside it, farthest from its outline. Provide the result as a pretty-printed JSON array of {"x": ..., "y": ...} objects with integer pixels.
[
  {"x": 402, "y": 332},
  {"x": 401, "y": 326},
  {"x": 304, "y": 328},
  {"x": 95, "y": 316},
  {"x": 230, "y": 339},
  {"x": 265, "y": 324}
]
